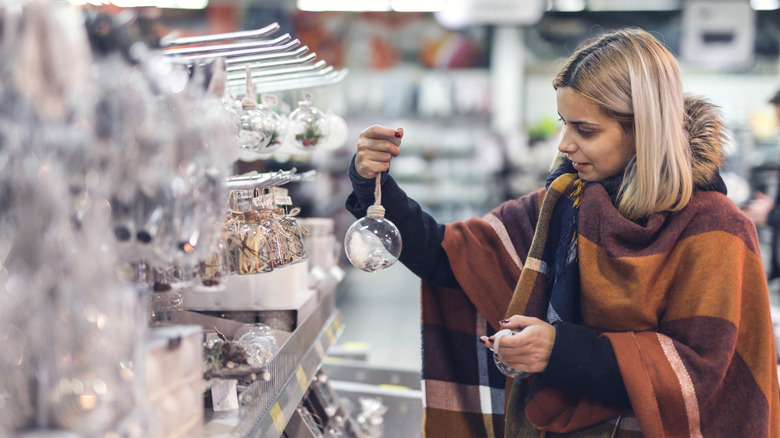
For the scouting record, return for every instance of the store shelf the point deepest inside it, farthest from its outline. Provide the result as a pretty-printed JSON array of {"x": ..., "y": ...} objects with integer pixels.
[{"x": 267, "y": 406}]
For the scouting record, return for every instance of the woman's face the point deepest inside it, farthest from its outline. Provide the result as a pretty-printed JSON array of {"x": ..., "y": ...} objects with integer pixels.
[{"x": 596, "y": 144}]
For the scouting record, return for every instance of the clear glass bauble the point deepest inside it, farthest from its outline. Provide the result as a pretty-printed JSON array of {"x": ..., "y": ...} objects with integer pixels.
[
  {"x": 506, "y": 370},
  {"x": 259, "y": 342},
  {"x": 253, "y": 135},
  {"x": 233, "y": 111},
  {"x": 372, "y": 244},
  {"x": 274, "y": 128},
  {"x": 309, "y": 127}
]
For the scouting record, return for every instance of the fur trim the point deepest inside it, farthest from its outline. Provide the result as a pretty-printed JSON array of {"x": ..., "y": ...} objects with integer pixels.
[{"x": 707, "y": 137}]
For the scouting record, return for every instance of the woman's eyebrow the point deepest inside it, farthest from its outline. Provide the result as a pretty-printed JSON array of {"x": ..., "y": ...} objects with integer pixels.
[{"x": 577, "y": 122}]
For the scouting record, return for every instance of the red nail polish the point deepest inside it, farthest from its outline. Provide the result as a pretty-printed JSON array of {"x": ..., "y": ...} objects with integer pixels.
[
  {"x": 492, "y": 338},
  {"x": 482, "y": 340},
  {"x": 397, "y": 134},
  {"x": 506, "y": 321}
]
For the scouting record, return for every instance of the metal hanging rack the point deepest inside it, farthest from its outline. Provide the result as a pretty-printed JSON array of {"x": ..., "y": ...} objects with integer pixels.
[
  {"x": 230, "y": 36},
  {"x": 267, "y": 180},
  {"x": 277, "y": 64}
]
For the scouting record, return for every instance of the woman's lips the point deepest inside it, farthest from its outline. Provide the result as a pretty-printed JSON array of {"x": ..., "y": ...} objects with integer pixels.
[{"x": 579, "y": 166}]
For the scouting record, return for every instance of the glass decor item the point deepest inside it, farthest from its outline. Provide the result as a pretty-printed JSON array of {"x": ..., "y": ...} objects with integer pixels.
[
  {"x": 373, "y": 243},
  {"x": 259, "y": 342},
  {"x": 505, "y": 370},
  {"x": 274, "y": 126},
  {"x": 309, "y": 126},
  {"x": 252, "y": 136}
]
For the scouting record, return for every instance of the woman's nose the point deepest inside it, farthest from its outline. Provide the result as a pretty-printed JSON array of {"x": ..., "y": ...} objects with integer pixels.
[{"x": 566, "y": 145}]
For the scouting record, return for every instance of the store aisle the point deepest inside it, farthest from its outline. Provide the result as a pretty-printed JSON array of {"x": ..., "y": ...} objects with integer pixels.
[{"x": 381, "y": 313}]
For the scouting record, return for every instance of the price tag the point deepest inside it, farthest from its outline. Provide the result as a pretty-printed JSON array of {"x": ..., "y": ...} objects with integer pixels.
[
  {"x": 329, "y": 334},
  {"x": 281, "y": 196},
  {"x": 302, "y": 380},
  {"x": 278, "y": 418},
  {"x": 337, "y": 322},
  {"x": 225, "y": 396},
  {"x": 269, "y": 101},
  {"x": 243, "y": 200}
]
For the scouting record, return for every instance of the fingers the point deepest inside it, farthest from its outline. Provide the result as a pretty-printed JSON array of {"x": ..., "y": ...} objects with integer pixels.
[
  {"x": 518, "y": 321},
  {"x": 383, "y": 132},
  {"x": 377, "y": 146},
  {"x": 527, "y": 350}
]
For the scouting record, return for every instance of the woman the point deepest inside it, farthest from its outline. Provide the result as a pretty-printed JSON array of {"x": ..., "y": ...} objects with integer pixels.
[{"x": 635, "y": 285}]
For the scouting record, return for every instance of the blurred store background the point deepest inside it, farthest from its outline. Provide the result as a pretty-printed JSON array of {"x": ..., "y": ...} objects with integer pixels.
[
  {"x": 473, "y": 95},
  {"x": 469, "y": 81}
]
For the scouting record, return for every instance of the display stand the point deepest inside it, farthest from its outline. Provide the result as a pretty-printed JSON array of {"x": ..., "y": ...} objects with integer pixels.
[{"x": 266, "y": 407}]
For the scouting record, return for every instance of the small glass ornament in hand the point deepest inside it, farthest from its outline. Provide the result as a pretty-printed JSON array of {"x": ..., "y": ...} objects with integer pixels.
[
  {"x": 373, "y": 243},
  {"x": 505, "y": 370},
  {"x": 308, "y": 125}
]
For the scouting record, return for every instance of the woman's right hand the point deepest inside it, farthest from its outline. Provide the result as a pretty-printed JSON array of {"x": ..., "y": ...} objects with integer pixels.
[{"x": 376, "y": 147}]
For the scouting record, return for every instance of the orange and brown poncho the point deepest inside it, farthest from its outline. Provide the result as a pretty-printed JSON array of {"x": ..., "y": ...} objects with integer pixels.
[{"x": 682, "y": 298}]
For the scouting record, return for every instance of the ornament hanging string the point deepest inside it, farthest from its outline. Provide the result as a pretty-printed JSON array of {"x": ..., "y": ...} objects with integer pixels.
[
  {"x": 250, "y": 99},
  {"x": 376, "y": 211}
]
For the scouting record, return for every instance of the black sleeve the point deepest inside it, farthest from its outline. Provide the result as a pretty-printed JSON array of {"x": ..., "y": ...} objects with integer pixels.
[
  {"x": 773, "y": 218},
  {"x": 421, "y": 235},
  {"x": 583, "y": 363}
]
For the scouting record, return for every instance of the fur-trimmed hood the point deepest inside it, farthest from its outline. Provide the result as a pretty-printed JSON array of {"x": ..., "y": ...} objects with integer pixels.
[{"x": 707, "y": 138}]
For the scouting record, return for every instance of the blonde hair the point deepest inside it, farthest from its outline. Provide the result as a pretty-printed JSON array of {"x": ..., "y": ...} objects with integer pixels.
[{"x": 634, "y": 79}]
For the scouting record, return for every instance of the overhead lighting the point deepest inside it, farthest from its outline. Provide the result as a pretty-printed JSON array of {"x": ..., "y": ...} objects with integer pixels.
[
  {"x": 164, "y": 4},
  {"x": 569, "y": 5},
  {"x": 344, "y": 5},
  {"x": 372, "y": 5},
  {"x": 765, "y": 5},
  {"x": 418, "y": 5},
  {"x": 646, "y": 5}
]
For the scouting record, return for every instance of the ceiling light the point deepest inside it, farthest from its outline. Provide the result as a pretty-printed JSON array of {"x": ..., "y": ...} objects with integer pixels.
[
  {"x": 170, "y": 4},
  {"x": 570, "y": 5},
  {"x": 765, "y": 5},
  {"x": 344, "y": 5},
  {"x": 418, "y": 5},
  {"x": 645, "y": 5}
]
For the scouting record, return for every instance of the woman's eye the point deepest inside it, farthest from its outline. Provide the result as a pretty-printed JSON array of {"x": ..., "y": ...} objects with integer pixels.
[{"x": 585, "y": 133}]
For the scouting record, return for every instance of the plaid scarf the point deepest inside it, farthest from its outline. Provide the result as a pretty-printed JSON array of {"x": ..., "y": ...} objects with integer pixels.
[
  {"x": 560, "y": 250},
  {"x": 694, "y": 342}
]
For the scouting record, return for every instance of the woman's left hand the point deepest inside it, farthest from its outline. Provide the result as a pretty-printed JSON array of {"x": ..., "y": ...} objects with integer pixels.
[{"x": 530, "y": 349}]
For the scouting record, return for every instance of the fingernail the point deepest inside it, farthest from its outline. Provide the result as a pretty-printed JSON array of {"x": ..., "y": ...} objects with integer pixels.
[
  {"x": 482, "y": 339},
  {"x": 397, "y": 134},
  {"x": 506, "y": 321},
  {"x": 492, "y": 338}
]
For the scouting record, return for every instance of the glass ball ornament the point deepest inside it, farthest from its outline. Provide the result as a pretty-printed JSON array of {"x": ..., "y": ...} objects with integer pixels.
[
  {"x": 258, "y": 125},
  {"x": 274, "y": 125},
  {"x": 253, "y": 134},
  {"x": 309, "y": 127},
  {"x": 233, "y": 110},
  {"x": 505, "y": 370},
  {"x": 373, "y": 243}
]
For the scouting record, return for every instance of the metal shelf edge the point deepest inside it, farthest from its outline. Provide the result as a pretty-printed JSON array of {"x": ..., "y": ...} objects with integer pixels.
[{"x": 272, "y": 424}]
